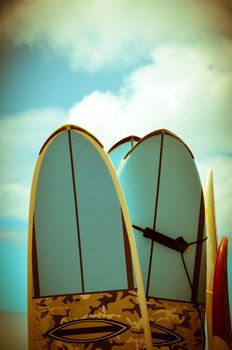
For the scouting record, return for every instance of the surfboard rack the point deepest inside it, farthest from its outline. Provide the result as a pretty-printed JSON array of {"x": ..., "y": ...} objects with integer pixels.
[{"x": 178, "y": 244}]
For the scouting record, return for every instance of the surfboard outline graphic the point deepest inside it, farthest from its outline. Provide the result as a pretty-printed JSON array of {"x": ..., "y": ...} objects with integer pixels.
[
  {"x": 162, "y": 336},
  {"x": 40, "y": 302},
  {"x": 111, "y": 328},
  {"x": 198, "y": 270}
]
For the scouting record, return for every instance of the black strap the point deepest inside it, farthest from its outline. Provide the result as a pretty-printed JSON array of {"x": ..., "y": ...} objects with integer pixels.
[
  {"x": 194, "y": 296},
  {"x": 178, "y": 244}
]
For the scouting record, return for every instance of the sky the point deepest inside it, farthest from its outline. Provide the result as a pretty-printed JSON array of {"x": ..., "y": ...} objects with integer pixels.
[{"x": 116, "y": 68}]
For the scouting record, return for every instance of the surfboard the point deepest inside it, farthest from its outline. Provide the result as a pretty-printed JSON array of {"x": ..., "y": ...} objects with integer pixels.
[
  {"x": 85, "y": 287},
  {"x": 221, "y": 326},
  {"x": 165, "y": 200},
  {"x": 119, "y": 150},
  {"x": 211, "y": 250}
]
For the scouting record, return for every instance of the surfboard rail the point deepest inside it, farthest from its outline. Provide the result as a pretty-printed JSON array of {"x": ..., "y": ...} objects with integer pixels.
[{"x": 211, "y": 249}]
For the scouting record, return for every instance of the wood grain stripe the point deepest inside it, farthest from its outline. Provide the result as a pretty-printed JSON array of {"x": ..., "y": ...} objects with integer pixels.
[
  {"x": 129, "y": 269},
  {"x": 155, "y": 211},
  {"x": 35, "y": 269},
  {"x": 76, "y": 211},
  {"x": 197, "y": 266}
]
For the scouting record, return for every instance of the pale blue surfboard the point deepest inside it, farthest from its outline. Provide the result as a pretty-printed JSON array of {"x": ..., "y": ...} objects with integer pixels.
[
  {"x": 82, "y": 291},
  {"x": 163, "y": 192},
  {"x": 119, "y": 150}
]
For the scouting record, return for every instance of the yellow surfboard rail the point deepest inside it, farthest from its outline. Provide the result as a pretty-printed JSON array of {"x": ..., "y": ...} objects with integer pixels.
[{"x": 211, "y": 251}]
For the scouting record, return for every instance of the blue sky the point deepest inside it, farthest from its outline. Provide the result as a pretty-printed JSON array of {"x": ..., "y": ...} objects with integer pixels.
[
  {"x": 115, "y": 68},
  {"x": 24, "y": 77}
]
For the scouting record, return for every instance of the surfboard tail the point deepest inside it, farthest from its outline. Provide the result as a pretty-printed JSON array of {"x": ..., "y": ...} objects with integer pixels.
[
  {"x": 98, "y": 320},
  {"x": 179, "y": 322}
]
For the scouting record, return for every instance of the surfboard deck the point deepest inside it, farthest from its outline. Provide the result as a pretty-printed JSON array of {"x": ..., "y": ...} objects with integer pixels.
[
  {"x": 221, "y": 326},
  {"x": 211, "y": 250},
  {"x": 85, "y": 287},
  {"x": 163, "y": 192},
  {"x": 119, "y": 150}
]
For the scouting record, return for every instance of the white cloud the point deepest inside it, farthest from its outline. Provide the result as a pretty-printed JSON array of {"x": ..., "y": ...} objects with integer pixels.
[
  {"x": 147, "y": 101},
  {"x": 101, "y": 114},
  {"x": 93, "y": 34},
  {"x": 183, "y": 90}
]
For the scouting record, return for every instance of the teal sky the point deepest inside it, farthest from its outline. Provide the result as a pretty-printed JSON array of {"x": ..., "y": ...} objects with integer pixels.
[
  {"x": 118, "y": 68},
  {"x": 29, "y": 79}
]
